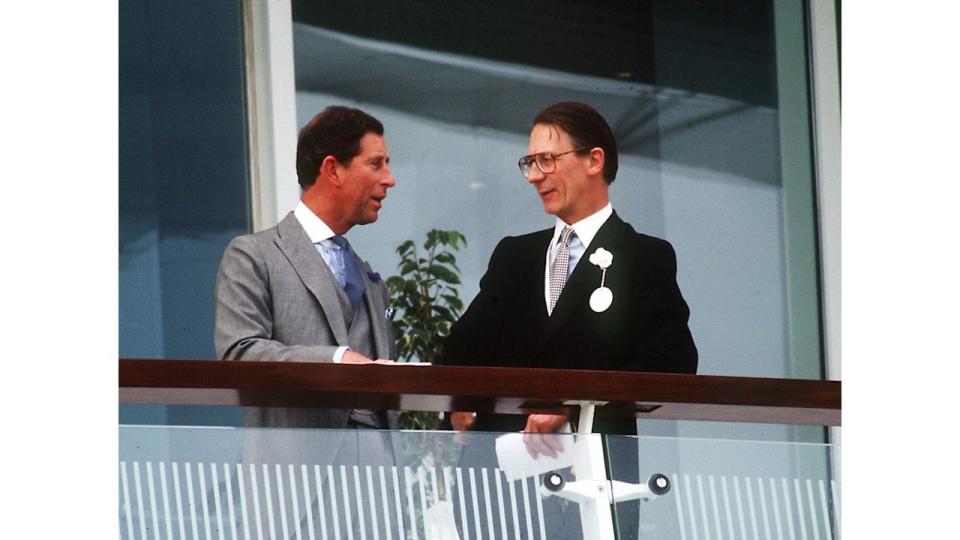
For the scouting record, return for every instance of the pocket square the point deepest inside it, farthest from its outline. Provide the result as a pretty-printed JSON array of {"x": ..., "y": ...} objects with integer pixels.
[
  {"x": 374, "y": 276},
  {"x": 389, "y": 313}
]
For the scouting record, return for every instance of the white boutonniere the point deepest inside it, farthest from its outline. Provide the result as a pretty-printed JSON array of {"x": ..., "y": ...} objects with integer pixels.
[{"x": 602, "y": 297}]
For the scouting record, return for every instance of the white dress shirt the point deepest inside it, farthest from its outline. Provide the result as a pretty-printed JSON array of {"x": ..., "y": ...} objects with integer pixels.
[
  {"x": 584, "y": 230},
  {"x": 321, "y": 234}
]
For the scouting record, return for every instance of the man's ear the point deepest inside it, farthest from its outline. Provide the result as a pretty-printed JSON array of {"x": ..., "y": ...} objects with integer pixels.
[
  {"x": 329, "y": 171},
  {"x": 597, "y": 157}
]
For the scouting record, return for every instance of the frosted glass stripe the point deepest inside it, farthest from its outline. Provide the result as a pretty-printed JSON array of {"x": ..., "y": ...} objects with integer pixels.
[
  {"x": 524, "y": 492},
  {"x": 386, "y": 504},
  {"x": 715, "y": 507},
  {"x": 834, "y": 489},
  {"x": 321, "y": 507},
  {"x": 124, "y": 481},
  {"x": 137, "y": 488},
  {"x": 179, "y": 499},
  {"x": 164, "y": 492},
  {"x": 503, "y": 517},
  {"x": 813, "y": 511},
  {"x": 410, "y": 507},
  {"x": 688, "y": 491},
  {"x": 538, "y": 498},
  {"x": 776, "y": 509},
  {"x": 726, "y": 506},
  {"x": 513, "y": 508},
  {"x": 374, "y": 522},
  {"x": 753, "y": 509},
  {"x": 203, "y": 500},
  {"x": 486, "y": 499},
  {"x": 191, "y": 503},
  {"x": 448, "y": 494},
  {"x": 258, "y": 521},
  {"x": 434, "y": 486},
  {"x": 396, "y": 500},
  {"x": 294, "y": 501},
  {"x": 422, "y": 483},
  {"x": 361, "y": 517},
  {"x": 215, "y": 480},
  {"x": 436, "y": 495},
  {"x": 463, "y": 505},
  {"x": 231, "y": 511},
  {"x": 764, "y": 513},
  {"x": 739, "y": 500},
  {"x": 679, "y": 504},
  {"x": 335, "y": 515},
  {"x": 800, "y": 515},
  {"x": 447, "y": 491},
  {"x": 281, "y": 502},
  {"x": 151, "y": 490},
  {"x": 825, "y": 511},
  {"x": 268, "y": 501},
  {"x": 789, "y": 509},
  {"x": 308, "y": 507},
  {"x": 715, "y": 504},
  {"x": 703, "y": 508},
  {"x": 242, "y": 490},
  {"x": 346, "y": 502}
]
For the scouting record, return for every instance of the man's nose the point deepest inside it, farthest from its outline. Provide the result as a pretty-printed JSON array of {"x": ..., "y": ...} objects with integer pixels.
[
  {"x": 535, "y": 174},
  {"x": 388, "y": 178}
]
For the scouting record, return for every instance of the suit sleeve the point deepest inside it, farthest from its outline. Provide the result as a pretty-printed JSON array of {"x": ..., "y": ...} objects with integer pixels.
[
  {"x": 243, "y": 315},
  {"x": 470, "y": 339},
  {"x": 666, "y": 345}
]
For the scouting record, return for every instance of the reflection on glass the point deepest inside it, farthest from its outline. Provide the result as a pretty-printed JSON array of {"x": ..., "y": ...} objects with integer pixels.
[
  {"x": 691, "y": 92},
  {"x": 292, "y": 483},
  {"x": 287, "y": 483},
  {"x": 724, "y": 488}
]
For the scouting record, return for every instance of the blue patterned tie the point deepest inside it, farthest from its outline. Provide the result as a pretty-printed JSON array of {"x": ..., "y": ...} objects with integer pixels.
[{"x": 353, "y": 285}]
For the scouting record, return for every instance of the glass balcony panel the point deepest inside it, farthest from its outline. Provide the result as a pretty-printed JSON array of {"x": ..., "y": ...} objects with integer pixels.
[
  {"x": 207, "y": 482},
  {"x": 707, "y": 488}
]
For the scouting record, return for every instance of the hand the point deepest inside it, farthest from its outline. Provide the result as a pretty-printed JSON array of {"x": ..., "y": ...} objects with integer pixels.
[
  {"x": 353, "y": 357},
  {"x": 383, "y": 361},
  {"x": 463, "y": 421},
  {"x": 533, "y": 434}
]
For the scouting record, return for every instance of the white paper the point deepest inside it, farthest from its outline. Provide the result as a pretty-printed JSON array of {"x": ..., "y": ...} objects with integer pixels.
[{"x": 515, "y": 461}]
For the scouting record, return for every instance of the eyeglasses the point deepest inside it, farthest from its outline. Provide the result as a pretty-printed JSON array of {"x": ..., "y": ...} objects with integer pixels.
[{"x": 546, "y": 162}]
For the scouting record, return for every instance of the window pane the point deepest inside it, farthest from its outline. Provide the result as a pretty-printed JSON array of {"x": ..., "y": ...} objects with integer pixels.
[
  {"x": 183, "y": 169},
  {"x": 709, "y": 105}
]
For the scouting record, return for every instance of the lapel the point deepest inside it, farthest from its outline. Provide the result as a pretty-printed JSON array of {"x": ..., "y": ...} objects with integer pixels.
[
  {"x": 586, "y": 277},
  {"x": 313, "y": 271},
  {"x": 377, "y": 309}
]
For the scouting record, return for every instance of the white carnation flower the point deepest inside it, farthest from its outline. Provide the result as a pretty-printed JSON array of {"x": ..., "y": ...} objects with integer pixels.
[{"x": 601, "y": 258}]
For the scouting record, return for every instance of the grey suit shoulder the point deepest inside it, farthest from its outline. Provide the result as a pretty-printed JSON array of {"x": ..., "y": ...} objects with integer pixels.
[{"x": 277, "y": 300}]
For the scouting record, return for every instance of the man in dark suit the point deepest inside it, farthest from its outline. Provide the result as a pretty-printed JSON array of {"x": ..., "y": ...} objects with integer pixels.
[{"x": 537, "y": 305}]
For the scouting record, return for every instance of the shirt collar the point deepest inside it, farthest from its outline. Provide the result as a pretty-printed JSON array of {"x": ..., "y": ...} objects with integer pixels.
[
  {"x": 586, "y": 228},
  {"x": 316, "y": 229}
]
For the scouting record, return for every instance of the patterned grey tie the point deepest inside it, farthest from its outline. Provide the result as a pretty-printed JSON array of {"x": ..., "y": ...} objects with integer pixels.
[{"x": 558, "y": 270}]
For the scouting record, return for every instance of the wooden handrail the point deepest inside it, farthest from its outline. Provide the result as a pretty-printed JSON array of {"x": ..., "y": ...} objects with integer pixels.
[{"x": 504, "y": 390}]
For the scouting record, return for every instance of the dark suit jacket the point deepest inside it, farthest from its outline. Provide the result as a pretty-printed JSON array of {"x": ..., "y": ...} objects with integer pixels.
[{"x": 644, "y": 329}]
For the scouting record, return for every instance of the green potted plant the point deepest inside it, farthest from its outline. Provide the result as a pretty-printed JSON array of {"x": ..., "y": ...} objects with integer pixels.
[{"x": 427, "y": 301}]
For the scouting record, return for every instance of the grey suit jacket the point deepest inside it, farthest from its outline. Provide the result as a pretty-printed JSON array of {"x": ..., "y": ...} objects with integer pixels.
[{"x": 276, "y": 299}]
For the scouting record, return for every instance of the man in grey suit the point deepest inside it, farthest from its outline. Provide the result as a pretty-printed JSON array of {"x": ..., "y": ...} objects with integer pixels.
[{"x": 297, "y": 291}]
